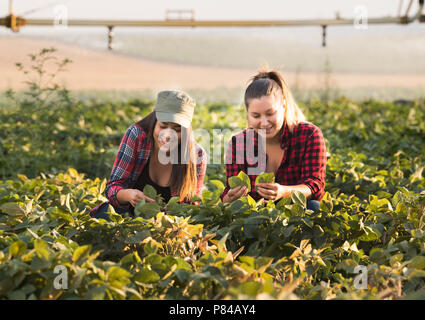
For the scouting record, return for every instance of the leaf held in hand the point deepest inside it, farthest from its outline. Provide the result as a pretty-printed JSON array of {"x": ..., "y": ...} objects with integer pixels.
[
  {"x": 241, "y": 179},
  {"x": 266, "y": 177}
]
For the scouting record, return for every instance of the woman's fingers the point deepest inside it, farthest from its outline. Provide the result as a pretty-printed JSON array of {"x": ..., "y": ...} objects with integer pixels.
[
  {"x": 267, "y": 186},
  {"x": 139, "y": 196},
  {"x": 266, "y": 193},
  {"x": 148, "y": 199},
  {"x": 233, "y": 192},
  {"x": 242, "y": 191},
  {"x": 236, "y": 193}
]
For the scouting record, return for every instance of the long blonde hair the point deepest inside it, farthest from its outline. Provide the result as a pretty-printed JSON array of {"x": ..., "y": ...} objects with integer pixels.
[{"x": 270, "y": 82}]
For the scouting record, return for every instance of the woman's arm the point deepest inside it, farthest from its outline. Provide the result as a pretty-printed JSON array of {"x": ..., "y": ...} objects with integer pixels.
[
  {"x": 276, "y": 191},
  {"x": 233, "y": 167},
  {"x": 313, "y": 165},
  {"x": 131, "y": 196},
  {"x": 124, "y": 165}
]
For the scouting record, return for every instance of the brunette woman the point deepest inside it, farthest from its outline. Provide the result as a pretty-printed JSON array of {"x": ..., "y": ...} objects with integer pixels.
[
  {"x": 293, "y": 149},
  {"x": 160, "y": 151}
]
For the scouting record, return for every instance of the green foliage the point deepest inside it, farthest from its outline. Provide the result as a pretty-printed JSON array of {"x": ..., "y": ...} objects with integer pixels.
[
  {"x": 54, "y": 164},
  {"x": 246, "y": 249}
]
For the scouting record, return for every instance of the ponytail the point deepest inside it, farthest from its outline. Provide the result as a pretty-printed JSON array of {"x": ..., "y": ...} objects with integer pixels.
[{"x": 270, "y": 82}]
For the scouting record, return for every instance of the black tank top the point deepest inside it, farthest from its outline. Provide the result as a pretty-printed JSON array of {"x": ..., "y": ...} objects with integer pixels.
[{"x": 144, "y": 179}]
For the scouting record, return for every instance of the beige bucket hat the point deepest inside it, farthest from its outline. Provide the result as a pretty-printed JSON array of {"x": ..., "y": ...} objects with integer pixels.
[{"x": 175, "y": 106}]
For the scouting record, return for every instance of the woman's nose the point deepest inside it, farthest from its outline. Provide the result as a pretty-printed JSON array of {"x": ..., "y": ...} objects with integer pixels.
[{"x": 167, "y": 134}]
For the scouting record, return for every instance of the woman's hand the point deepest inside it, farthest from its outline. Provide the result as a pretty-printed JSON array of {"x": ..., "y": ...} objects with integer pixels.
[
  {"x": 132, "y": 196},
  {"x": 235, "y": 194},
  {"x": 271, "y": 191}
]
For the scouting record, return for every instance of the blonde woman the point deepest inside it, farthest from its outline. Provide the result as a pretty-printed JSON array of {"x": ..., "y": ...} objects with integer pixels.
[
  {"x": 294, "y": 150},
  {"x": 145, "y": 157}
]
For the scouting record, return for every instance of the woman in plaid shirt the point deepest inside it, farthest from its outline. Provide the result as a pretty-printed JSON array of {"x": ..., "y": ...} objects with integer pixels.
[
  {"x": 278, "y": 140},
  {"x": 159, "y": 150}
]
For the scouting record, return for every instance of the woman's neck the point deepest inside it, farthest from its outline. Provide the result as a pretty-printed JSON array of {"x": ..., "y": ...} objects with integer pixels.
[{"x": 275, "y": 140}]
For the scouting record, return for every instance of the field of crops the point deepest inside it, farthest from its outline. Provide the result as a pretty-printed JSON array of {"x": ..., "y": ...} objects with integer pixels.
[{"x": 366, "y": 242}]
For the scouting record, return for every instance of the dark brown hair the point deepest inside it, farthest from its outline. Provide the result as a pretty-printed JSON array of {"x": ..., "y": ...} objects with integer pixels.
[
  {"x": 265, "y": 83},
  {"x": 183, "y": 174},
  {"x": 270, "y": 82}
]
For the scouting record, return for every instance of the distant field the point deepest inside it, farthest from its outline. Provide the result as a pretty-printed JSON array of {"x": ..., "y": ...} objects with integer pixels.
[
  {"x": 384, "y": 63},
  {"x": 380, "y": 49}
]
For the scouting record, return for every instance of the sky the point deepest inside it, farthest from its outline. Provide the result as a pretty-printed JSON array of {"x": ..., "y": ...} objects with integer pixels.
[{"x": 205, "y": 9}]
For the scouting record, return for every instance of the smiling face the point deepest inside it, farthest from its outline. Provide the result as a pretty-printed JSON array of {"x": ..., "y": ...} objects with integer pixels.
[
  {"x": 165, "y": 135},
  {"x": 266, "y": 113}
]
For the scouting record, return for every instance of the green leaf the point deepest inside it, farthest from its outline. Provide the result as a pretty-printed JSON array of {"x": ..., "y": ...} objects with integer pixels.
[
  {"x": 251, "y": 202},
  {"x": 308, "y": 222},
  {"x": 102, "y": 186},
  {"x": 117, "y": 273},
  {"x": 370, "y": 234},
  {"x": 299, "y": 198},
  {"x": 283, "y": 202},
  {"x": 149, "y": 209},
  {"x": 181, "y": 264},
  {"x": 147, "y": 276},
  {"x": 12, "y": 209},
  {"x": 347, "y": 265},
  {"x": 250, "y": 288},
  {"x": 138, "y": 237},
  {"x": 288, "y": 230},
  {"x": 97, "y": 293},
  {"x": 297, "y": 210},
  {"x": 22, "y": 177},
  {"x": 17, "y": 248},
  {"x": 417, "y": 274},
  {"x": 246, "y": 180},
  {"x": 262, "y": 263},
  {"x": 182, "y": 274},
  {"x": 250, "y": 230},
  {"x": 265, "y": 178},
  {"x": 150, "y": 192},
  {"x": 247, "y": 260},
  {"x": 241, "y": 179},
  {"x": 41, "y": 249},
  {"x": 240, "y": 206},
  {"x": 377, "y": 255},
  {"x": 417, "y": 262},
  {"x": 138, "y": 207},
  {"x": 218, "y": 185},
  {"x": 150, "y": 247},
  {"x": 221, "y": 245},
  {"x": 81, "y": 253},
  {"x": 173, "y": 204},
  {"x": 16, "y": 295},
  {"x": 73, "y": 173},
  {"x": 38, "y": 264}
]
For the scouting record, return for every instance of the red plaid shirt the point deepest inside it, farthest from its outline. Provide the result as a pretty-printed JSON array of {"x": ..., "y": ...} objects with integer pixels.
[
  {"x": 304, "y": 159},
  {"x": 133, "y": 154}
]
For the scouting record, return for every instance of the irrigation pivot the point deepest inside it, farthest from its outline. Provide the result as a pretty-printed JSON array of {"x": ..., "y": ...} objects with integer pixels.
[{"x": 15, "y": 22}]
